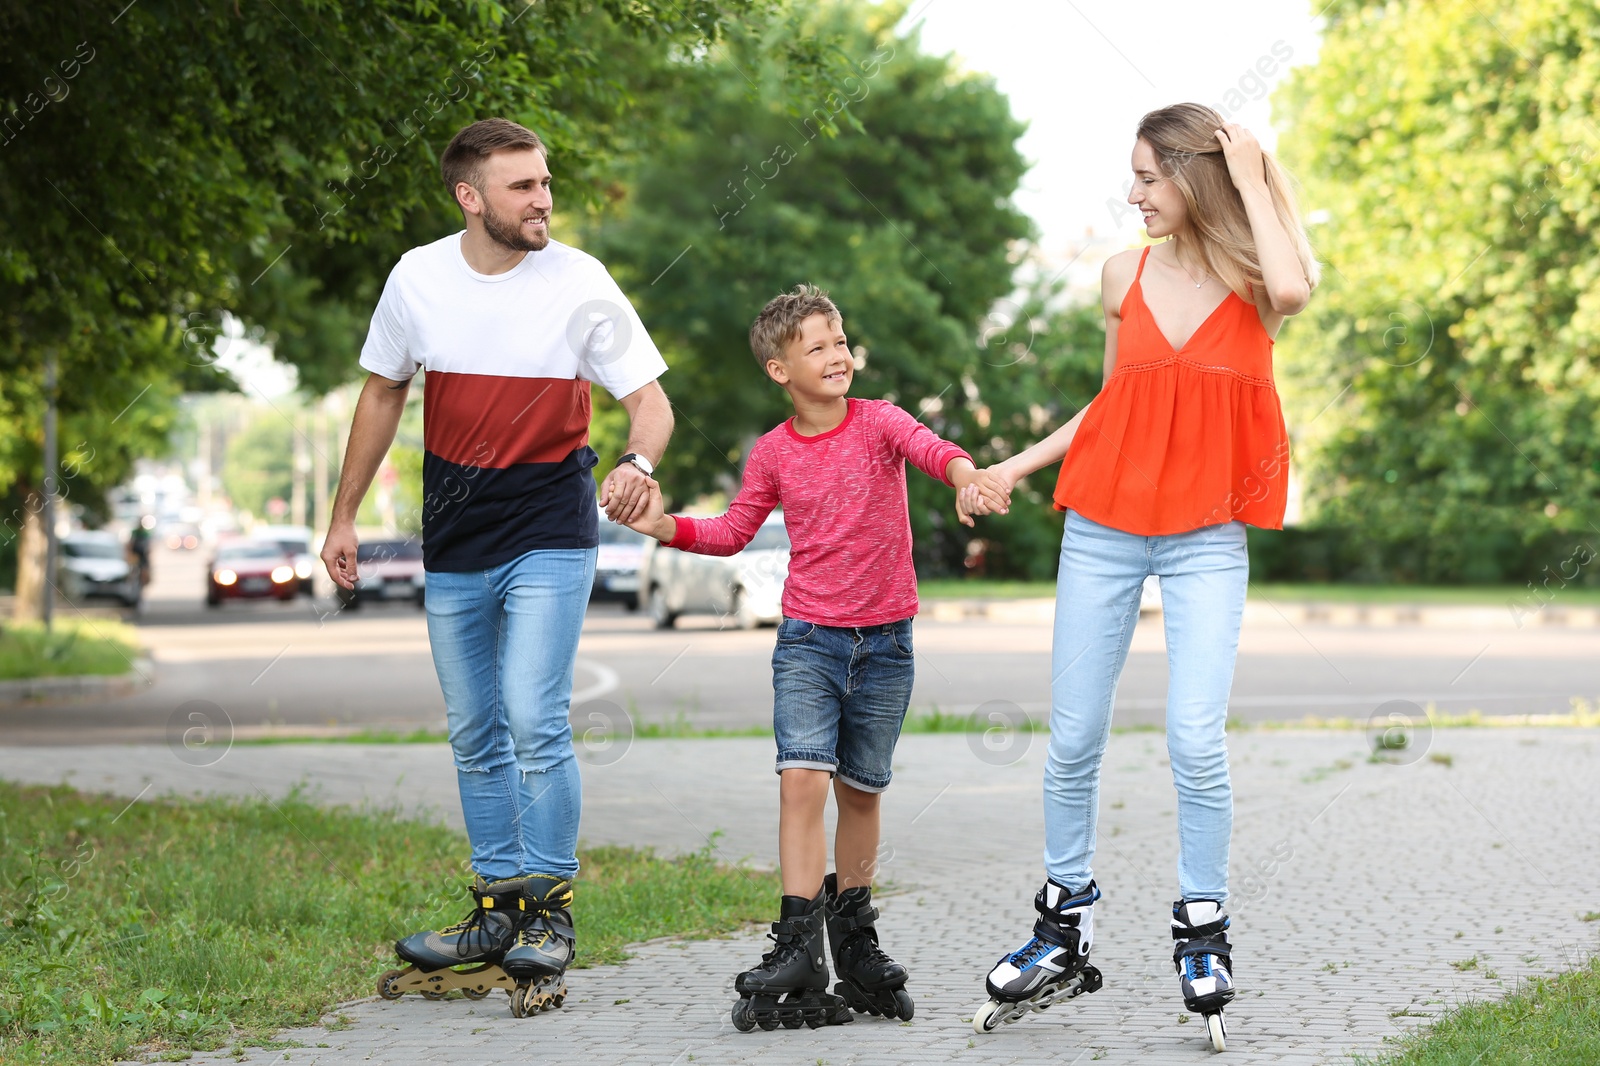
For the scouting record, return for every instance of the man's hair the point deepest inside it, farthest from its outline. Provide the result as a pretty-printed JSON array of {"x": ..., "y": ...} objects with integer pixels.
[
  {"x": 779, "y": 321},
  {"x": 463, "y": 159}
]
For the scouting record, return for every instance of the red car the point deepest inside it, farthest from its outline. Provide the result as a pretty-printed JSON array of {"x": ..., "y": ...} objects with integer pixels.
[{"x": 251, "y": 570}]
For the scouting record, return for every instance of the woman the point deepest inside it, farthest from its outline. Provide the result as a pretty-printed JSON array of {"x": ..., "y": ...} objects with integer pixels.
[{"x": 1183, "y": 447}]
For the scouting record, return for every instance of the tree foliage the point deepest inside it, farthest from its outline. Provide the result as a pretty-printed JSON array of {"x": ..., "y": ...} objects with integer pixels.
[
  {"x": 1454, "y": 147},
  {"x": 165, "y": 162},
  {"x": 892, "y": 189}
]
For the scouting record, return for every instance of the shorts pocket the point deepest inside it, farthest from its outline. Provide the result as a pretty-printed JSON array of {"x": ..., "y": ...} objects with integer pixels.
[
  {"x": 900, "y": 637},
  {"x": 794, "y": 631}
]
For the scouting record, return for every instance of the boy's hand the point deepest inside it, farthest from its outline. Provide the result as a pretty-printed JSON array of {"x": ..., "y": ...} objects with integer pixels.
[{"x": 653, "y": 522}]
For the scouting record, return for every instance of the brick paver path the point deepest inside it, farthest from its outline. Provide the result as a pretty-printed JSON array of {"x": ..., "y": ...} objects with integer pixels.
[{"x": 1357, "y": 887}]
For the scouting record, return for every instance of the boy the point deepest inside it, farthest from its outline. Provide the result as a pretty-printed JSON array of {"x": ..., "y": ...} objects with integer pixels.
[{"x": 843, "y": 665}]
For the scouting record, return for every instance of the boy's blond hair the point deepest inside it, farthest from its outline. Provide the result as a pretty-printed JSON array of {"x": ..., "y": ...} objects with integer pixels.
[{"x": 779, "y": 321}]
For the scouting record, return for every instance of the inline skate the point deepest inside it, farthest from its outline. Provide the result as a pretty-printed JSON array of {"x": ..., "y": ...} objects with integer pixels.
[
  {"x": 870, "y": 982},
  {"x": 1204, "y": 961},
  {"x": 477, "y": 942},
  {"x": 789, "y": 988},
  {"x": 543, "y": 947},
  {"x": 1053, "y": 965}
]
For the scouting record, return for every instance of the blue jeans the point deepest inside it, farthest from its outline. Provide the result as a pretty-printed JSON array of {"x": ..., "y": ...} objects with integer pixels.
[
  {"x": 1203, "y": 574},
  {"x": 839, "y": 698},
  {"x": 504, "y": 644}
]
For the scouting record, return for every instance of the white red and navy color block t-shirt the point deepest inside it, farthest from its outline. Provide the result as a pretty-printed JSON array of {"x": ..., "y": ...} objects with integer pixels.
[
  {"x": 843, "y": 495},
  {"x": 509, "y": 359}
]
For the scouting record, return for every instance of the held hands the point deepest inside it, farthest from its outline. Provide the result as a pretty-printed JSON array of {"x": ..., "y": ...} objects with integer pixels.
[
  {"x": 623, "y": 493},
  {"x": 653, "y": 520},
  {"x": 1243, "y": 152},
  {"x": 980, "y": 492}
]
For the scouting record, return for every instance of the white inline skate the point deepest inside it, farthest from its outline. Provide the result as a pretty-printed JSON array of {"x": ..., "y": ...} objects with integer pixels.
[{"x": 1053, "y": 965}]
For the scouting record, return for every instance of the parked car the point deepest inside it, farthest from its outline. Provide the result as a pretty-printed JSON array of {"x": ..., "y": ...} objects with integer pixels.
[
  {"x": 250, "y": 570},
  {"x": 616, "y": 568},
  {"x": 95, "y": 564},
  {"x": 296, "y": 540},
  {"x": 745, "y": 589},
  {"x": 386, "y": 570}
]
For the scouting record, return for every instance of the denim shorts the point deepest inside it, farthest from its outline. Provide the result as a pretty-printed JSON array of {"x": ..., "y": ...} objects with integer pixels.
[{"x": 839, "y": 698}]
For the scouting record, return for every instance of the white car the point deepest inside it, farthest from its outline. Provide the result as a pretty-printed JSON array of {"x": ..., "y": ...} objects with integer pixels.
[
  {"x": 745, "y": 589},
  {"x": 96, "y": 564}
]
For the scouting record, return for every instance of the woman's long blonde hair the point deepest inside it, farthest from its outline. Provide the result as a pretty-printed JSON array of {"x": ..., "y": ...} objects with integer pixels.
[{"x": 1190, "y": 156}]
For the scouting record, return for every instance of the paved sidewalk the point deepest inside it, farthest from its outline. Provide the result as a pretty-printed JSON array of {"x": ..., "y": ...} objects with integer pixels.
[{"x": 1357, "y": 885}]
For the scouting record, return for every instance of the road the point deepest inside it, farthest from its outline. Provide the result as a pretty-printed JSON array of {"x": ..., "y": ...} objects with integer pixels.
[{"x": 307, "y": 667}]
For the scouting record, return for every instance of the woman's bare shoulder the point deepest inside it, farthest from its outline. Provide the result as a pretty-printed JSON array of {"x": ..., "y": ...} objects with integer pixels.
[{"x": 1116, "y": 276}]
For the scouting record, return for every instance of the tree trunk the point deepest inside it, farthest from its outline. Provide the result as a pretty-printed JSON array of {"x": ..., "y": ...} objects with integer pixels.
[{"x": 29, "y": 605}]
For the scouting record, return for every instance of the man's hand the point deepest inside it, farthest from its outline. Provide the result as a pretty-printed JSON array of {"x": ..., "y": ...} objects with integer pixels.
[
  {"x": 339, "y": 556},
  {"x": 625, "y": 494}
]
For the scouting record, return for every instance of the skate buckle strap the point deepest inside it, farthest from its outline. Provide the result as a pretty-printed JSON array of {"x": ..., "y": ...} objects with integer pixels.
[
  {"x": 863, "y": 918},
  {"x": 1190, "y": 932},
  {"x": 1057, "y": 934}
]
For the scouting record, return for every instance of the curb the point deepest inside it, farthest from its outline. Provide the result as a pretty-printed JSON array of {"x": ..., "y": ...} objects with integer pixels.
[
  {"x": 1317, "y": 612},
  {"x": 33, "y": 690}
]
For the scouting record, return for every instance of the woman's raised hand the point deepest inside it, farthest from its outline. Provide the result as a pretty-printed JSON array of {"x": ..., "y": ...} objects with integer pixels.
[{"x": 1243, "y": 152}]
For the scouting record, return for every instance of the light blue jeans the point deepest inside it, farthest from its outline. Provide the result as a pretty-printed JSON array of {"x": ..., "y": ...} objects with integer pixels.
[
  {"x": 504, "y": 644},
  {"x": 1203, "y": 574}
]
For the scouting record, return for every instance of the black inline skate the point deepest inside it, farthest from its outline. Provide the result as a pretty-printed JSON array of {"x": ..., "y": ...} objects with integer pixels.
[
  {"x": 870, "y": 982},
  {"x": 790, "y": 987},
  {"x": 477, "y": 942},
  {"x": 544, "y": 946},
  {"x": 1053, "y": 965},
  {"x": 1203, "y": 957}
]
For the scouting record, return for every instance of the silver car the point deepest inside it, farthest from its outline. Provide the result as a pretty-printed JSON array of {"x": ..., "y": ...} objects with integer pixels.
[
  {"x": 745, "y": 589},
  {"x": 96, "y": 564}
]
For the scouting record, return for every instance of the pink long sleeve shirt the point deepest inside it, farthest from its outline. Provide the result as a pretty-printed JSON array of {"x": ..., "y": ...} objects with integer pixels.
[{"x": 843, "y": 495}]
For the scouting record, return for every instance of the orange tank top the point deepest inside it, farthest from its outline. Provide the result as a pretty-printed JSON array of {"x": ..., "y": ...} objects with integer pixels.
[{"x": 1182, "y": 438}]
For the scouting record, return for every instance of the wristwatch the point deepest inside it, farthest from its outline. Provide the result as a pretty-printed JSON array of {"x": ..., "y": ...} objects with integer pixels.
[{"x": 639, "y": 461}]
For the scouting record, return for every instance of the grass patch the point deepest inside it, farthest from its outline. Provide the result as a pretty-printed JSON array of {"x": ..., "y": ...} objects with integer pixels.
[
  {"x": 72, "y": 648},
  {"x": 956, "y": 588},
  {"x": 1420, "y": 595},
  {"x": 164, "y": 927},
  {"x": 1427, "y": 595},
  {"x": 1548, "y": 1021}
]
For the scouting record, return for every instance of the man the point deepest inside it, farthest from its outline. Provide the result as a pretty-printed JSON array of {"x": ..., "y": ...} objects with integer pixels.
[{"x": 511, "y": 327}]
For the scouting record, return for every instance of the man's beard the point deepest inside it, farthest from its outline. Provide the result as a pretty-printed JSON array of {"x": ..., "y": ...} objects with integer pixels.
[{"x": 503, "y": 230}]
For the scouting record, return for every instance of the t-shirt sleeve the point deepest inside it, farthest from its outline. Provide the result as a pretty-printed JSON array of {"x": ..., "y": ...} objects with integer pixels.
[
  {"x": 387, "y": 351},
  {"x": 729, "y": 533},
  {"x": 614, "y": 351},
  {"x": 916, "y": 443}
]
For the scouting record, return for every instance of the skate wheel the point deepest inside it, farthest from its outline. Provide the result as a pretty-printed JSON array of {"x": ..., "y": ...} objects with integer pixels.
[
  {"x": 988, "y": 1017},
  {"x": 1217, "y": 1031},
  {"x": 432, "y": 994},
  {"x": 904, "y": 1007},
  {"x": 768, "y": 1024},
  {"x": 475, "y": 993},
  {"x": 741, "y": 1016},
  {"x": 519, "y": 1001},
  {"x": 387, "y": 983},
  {"x": 793, "y": 1023}
]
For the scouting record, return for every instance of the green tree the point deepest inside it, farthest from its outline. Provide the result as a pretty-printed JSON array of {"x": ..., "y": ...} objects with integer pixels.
[
  {"x": 1453, "y": 145},
  {"x": 163, "y": 163},
  {"x": 891, "y": 188}
]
